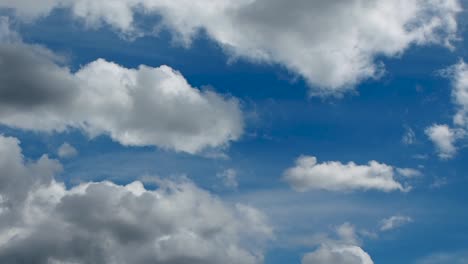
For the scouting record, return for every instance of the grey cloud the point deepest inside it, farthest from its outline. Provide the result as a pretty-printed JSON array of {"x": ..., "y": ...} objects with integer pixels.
[
  {"x": 136, "y": 107},
  {"x": 30, "y": 77},
  {"x": 41, "y": 221}
]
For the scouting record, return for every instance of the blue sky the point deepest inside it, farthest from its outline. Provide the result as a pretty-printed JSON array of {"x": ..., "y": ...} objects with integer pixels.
[{"x": 369, "y": 121}]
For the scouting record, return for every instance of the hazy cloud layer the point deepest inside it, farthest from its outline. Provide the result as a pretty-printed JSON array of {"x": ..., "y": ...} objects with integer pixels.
[
  {"x": 333, "y": 45},
  {"x": 308, "y": 174},
  {"x": 136, "y": 107},
  {"x": 43, "y": 222}
]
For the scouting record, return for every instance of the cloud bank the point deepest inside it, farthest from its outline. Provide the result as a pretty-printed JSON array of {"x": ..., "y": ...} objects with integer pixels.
[
  {"x": 333, "y": 45},
  {"x": 41, "y": 221}
]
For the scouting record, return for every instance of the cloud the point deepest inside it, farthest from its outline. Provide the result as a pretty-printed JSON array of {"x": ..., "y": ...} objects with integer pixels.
[
  {"x": 333, "y": 45},
  {"x": 460, "y": 257},
  {"x": 459, "y": 76},
  {"x": 409, "y": 137},
  {"x": 345, "y": 250},
  {"x": 394, "y": 222},
  {"x": 308, "y": 174},
  {"x": 408, "y": 172},
  {"x": 444, "y": 138},
  {"x": 135, "y": 107},
  {"x": 101, "y": 222},
  {"x": 67, "y": 151},
  {"x": 229, "y": 177}
]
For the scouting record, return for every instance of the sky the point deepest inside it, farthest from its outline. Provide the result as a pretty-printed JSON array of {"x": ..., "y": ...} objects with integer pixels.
[{"x": 237, "y": 132}]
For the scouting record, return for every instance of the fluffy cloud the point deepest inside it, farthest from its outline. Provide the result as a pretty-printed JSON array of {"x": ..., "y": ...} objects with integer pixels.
[
  {"x": 394, "y": 222},
  {"x": 333, "y": 45},
  {"x": 42, "y": 221},
  {"x": 444, "y": 138},
  {"x": 345, "y": 250},
  {"x": 136, "y": 107},
  {"x": 308, "y": 174}
]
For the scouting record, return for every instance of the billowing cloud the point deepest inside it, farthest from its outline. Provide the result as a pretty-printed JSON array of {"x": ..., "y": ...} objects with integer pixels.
[
  {"x": 136, "y": 107},
  {"x": 333, "y": 45},
  {"x": 42, "y": 221},
  {"x": 345, "y": 250},
  {"x": 308, "y": 174},
  {"x": 444, "y": 139},
  {"x": 394, "y": 222}
]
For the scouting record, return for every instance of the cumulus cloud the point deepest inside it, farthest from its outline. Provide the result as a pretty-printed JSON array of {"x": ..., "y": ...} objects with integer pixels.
[
  {"x": 136, "y": 107},
  {"x": 344, "y": 250},
  {"x": 333, "y": 45},
  {"x": 101, "y": 222},
  {"x": 66, "y": 151},
  {"x": 308, "y": 174},
  {"x": 394, "y": 222},
  {"x": 444, "y": 139}
]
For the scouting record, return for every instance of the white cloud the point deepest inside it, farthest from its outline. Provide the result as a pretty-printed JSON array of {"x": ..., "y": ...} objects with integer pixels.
[
  {"x": 345, "y": 250},
  {"x": 107, "y": 223},
  {"x": 67, "y": 151},
  {"x": 333, "y": 45},
  {"x": 229, "y": 178},
  {"x": 394, "y": 222},
  {"x": 444, "y": 138},
  {"x": 136, "y": 107},
  {"x": 307, "y": 174}
]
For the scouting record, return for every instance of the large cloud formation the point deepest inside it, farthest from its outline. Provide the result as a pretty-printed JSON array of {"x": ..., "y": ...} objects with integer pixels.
[
  {"x": 333, "y": 45},
  {"x": 308, "y": 174},
  {"x": 136, "y": 107},
  {"x": 41, "y": 221}
]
